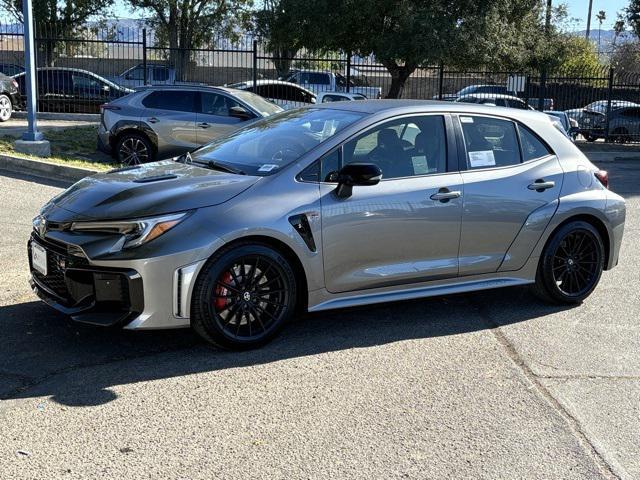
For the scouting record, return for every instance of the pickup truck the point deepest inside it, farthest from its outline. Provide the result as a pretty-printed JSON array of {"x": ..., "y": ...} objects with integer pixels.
[
  {"x": 157, "y": 74},
  {"x": 325, "y": 81}
]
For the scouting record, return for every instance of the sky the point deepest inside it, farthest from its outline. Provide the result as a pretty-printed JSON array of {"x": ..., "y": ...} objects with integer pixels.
[
  {"x": 577, "y": 9},
  {"x": 580, "y": 8}
]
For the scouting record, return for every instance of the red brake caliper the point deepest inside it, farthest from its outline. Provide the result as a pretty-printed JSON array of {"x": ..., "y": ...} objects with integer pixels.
[{"x": 221, "y": 292}]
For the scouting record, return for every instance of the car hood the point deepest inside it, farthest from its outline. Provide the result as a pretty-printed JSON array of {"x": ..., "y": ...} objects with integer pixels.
[{"x": 151, "y": 189}]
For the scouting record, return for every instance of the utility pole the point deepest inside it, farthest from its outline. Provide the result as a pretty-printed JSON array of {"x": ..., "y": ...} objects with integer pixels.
[
  {"x": 589, "y": 20},
  {"x": 32, "y": 141}
]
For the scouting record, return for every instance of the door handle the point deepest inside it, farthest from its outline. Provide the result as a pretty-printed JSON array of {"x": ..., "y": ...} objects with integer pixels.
[
  {"x": 540, "y": 185},
  {"x": 153, "y": 120},
  {"x": 204, "y": 125},
  {"x": 444, "y": 195}
]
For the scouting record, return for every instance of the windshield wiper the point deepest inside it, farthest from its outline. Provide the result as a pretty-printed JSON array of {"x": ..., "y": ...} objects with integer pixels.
[{"x": 223, "y": 167}]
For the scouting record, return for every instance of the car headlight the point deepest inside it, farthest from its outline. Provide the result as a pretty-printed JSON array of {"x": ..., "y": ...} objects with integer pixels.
[{"x": 135, "y": 232}]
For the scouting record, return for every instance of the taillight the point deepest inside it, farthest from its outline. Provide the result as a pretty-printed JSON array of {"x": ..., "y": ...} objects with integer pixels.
[
  {"x": 106, "y": 106},
  {"x": 603, "y": 177}
]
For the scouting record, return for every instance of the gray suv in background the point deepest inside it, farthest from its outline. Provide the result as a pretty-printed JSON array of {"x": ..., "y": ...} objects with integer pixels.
[{"x": 158, "y": 122}]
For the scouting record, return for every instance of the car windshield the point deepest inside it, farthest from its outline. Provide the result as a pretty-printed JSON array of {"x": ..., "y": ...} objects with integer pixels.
[
  {"x": 268, "y": 145},
  {"x": 262, "y": 105}
]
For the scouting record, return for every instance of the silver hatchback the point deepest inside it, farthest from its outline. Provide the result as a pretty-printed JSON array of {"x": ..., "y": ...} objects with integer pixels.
[
  {"x": 160, "y": 122},
  {"x": 336, "y": 205}
]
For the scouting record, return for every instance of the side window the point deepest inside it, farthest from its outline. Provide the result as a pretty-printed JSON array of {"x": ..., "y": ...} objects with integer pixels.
[
  {"x": 214, "y": 104},
  {"x": 85, "y": 82},
  {"x": 402, "y": 148},
  {"x": 136, "y": 73},
  {"x": 490, "y": 142},
  {"x": 532, "y": 146},
  {"x": 333, "y": 98},
  {"x": 177, "y": 100},
  {"x": 329, "y": 166},
  {"x": 160, "y": 74}
]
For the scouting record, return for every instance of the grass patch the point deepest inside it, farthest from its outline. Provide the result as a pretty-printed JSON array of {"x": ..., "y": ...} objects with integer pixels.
[{"x": 75, "y": 147}]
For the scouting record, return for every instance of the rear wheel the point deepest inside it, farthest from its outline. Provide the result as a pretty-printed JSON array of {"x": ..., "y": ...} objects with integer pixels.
[
  {"x": 243, "y": 297},
  {"x": 5, "y": 108},
  {"x": 134, "y": 149},
  {"x": 590, "y": 138},
  {"x": 571, "y": 264},
  {"x": 621, "y": 135}
]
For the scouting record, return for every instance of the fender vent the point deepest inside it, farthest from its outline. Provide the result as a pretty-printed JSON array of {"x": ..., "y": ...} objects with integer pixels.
[{"x": 301, "y": 225}]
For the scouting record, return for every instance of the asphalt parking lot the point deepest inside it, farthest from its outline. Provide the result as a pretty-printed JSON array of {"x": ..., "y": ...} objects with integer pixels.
[{"x": 486, "y": 385}]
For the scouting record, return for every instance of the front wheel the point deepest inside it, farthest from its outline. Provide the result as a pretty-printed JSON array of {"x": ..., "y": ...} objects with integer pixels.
[
  {"x": 243, "y": 297},
  {"x": 571, "y": 264},
  {"x": 5, "y": 108}
]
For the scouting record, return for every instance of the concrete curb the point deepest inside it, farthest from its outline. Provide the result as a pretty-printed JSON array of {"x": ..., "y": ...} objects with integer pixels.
[
  {"x": 44, "y": 169},
  {"x": 612, "y": 156},
  {"x": 70, "y": 117}
]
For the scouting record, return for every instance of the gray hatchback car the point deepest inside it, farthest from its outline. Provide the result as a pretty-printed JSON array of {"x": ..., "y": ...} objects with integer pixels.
[
  {"x": 336, "y": 205},
  {"x": 159, "y": 122}
]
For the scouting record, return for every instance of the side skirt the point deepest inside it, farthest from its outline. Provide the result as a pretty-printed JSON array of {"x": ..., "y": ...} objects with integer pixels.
[{"x": 459, "y": 285}]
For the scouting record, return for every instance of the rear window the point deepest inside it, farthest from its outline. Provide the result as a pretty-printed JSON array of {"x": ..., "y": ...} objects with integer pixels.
[
  {"x": 178, "y": 100},
  {"x": 532, "y": 146}
]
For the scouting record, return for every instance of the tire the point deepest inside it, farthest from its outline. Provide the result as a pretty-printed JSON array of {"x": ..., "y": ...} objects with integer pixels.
[
  {"x": 621, "y": 135},
  {"x": 134, "y": 149},
  {"x": 590, "y": 138},
  {"x": 247, "y": 317},
  {"x": 571, "y": 264},
  {"x": 6, "y": 107}
]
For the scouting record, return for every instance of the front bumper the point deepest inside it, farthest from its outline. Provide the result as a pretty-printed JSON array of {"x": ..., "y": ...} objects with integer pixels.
[{"x": 88, "y": 294}]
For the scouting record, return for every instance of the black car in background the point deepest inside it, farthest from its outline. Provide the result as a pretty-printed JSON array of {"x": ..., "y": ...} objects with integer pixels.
[
  {"x": 9, "y": 97},
  {"x": 11, "y": 69},
  {"x": 72, "y": 90}
]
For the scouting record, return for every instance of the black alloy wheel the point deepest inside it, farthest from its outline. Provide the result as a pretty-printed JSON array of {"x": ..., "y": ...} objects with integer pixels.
[
  {"x": 571, "y": 265},
  {"x": 134, "y": 149},
  {"x": 243, "y": 297}
]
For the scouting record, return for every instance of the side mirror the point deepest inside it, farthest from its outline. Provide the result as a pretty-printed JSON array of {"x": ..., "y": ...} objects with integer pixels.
[
  {"x": 357, "y": 174},
  {"x": 239, "y": 112}
]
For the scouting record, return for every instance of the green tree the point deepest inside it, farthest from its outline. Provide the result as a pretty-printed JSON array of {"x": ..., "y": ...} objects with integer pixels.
[
  {"x": 183, "y": 25},
  {"x": 56, "y": 18},
  {"x": 402, "y": 34},
  {"x": 272, "y": 22},
  {"x": 632, "y": 16}
]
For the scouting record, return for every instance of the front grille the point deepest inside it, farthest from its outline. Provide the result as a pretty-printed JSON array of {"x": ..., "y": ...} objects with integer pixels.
[
  {"x": 55, "y": 278},
  {"x": 58, "y": 260}
]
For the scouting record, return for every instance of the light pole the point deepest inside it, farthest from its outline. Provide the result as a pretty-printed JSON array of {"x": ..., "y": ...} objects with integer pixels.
[
  {"x": 32, "y": 141},
  {"x": 589, "y": 20}
]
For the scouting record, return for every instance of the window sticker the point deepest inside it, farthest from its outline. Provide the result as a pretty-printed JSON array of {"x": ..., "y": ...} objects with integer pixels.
[
  {"x": 466, "y": 119},
  {"x": 267, "y": 167},
  {"x": 483, "y": 158}
]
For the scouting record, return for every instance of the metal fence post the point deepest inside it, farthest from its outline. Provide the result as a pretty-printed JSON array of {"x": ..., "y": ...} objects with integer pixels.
[
  {"x": 609, "y": 96},
  {"x": 255, "y": 64},
  {"x": 348, "y": 71},
  {"x": 542, "y": 91},
  {"x": 527, "y": 86},
  {"x": 144, "y": 55},
  {"x": 32, "y": 134},
  {"x": 440, "y": 81}
]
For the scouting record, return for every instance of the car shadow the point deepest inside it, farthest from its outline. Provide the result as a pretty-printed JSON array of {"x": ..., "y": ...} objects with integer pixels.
[{"x": 44, "y": 354}]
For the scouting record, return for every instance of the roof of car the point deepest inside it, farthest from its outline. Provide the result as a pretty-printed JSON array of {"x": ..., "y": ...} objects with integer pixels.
[
  {"x": 267, "y": 82},
  {"x": 489, "y": 95},
  {"x": 182, "y": 86},
  {"x": 406, "y": 106}
]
